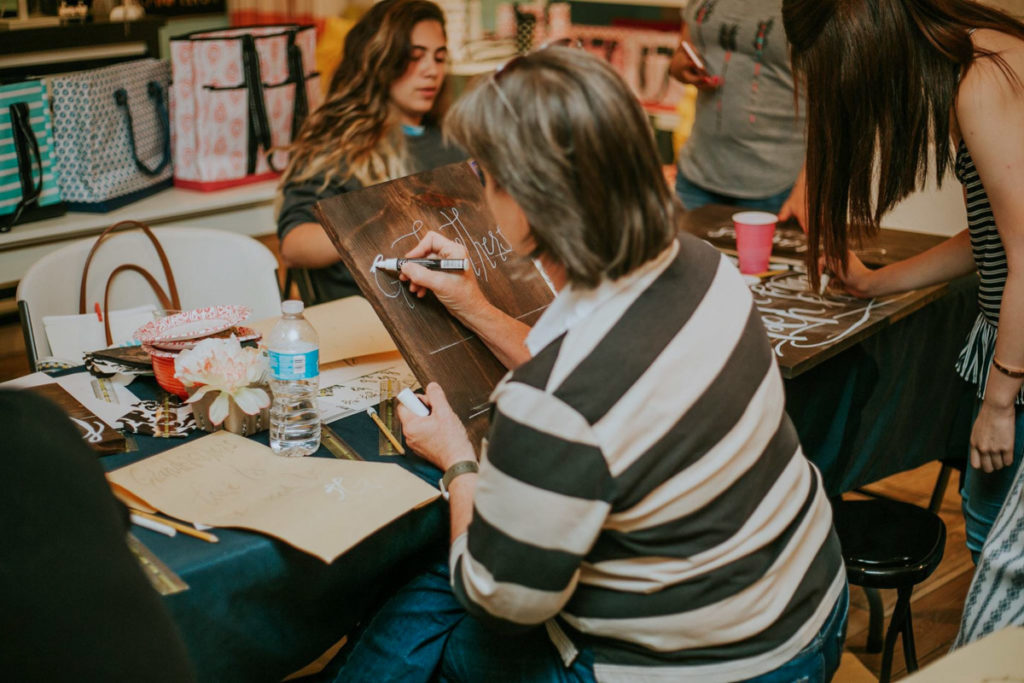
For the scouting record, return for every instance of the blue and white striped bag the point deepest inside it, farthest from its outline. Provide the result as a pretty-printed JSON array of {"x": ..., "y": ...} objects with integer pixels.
[
  {"x": 28, "y": 186},
  {"x": 113, "y": 138}
]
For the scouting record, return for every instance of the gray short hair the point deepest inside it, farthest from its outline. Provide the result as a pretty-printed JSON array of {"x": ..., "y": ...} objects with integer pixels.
[{"x": 566, "y": 138}]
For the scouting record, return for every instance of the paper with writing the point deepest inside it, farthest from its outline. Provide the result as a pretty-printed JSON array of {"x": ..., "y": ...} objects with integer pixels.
[
  {"x": 353, "y": 385},
  {"x": 321, "y": 506}
]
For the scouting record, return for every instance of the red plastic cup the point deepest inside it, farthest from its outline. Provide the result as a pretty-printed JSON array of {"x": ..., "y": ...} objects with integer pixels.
[{"x": 754, "y": 233}]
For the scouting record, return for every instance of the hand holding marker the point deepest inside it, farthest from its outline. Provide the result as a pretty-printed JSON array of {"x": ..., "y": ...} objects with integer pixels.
[
  {"x": 395, "y": 264},
  {"x": 713, "y": 81}
]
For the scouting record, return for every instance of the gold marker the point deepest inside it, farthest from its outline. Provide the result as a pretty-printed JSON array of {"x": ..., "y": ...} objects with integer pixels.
[{"x": 387, "y": 432}]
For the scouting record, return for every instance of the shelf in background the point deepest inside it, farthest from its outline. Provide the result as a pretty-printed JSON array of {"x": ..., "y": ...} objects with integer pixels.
[{"x": 247, "y": 209}]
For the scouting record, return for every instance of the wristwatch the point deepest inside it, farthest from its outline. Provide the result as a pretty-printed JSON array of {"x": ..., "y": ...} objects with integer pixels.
[{"x": 461, "y": 467}]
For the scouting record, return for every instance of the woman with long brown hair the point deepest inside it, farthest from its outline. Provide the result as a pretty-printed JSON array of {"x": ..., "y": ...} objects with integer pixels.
[
  {"x": 912, "y": 86},
  {"x": 380, "y": 121}
]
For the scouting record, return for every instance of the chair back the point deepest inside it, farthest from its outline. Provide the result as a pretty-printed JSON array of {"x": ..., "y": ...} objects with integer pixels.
[{"x": 210, "y": 267}]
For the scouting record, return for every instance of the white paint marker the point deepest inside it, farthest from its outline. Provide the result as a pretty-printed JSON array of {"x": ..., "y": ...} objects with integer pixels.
[
  {"x": 824, "y": 284},
  {"x": 396, "y": 264},
  {"x": 413, "y": 402},
  {"x": 153, "y": 526},
  {"x": 694, "y": 57}
]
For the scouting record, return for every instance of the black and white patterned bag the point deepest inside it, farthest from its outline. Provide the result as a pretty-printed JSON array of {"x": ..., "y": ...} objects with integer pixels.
[{"x": 112, "y": 132}]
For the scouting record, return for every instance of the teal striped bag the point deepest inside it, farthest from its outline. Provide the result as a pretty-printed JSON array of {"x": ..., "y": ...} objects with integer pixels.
[{"x": 28, "y": 184}]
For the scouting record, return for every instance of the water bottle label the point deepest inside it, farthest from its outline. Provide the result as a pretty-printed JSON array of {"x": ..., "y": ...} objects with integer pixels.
[{"x": 295, "y": 365}]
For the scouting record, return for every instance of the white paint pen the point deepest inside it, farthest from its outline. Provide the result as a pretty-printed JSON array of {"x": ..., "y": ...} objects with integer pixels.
[
  {"x": 396, "y": 264},
  {"x": 824, "y": 284},
  {"x": 413, "y": 402},
  {"x": 152, "y": 525}
]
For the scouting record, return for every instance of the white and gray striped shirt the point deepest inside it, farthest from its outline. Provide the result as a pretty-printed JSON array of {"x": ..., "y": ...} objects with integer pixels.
[{"x": 642, "y": 489}]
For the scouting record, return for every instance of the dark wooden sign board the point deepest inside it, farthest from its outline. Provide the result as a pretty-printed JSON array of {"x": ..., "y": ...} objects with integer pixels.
[
  {"x": 803, "y": 327},
  {"x": 390, "y": 219},
  {"x": 97, "y": 433}
]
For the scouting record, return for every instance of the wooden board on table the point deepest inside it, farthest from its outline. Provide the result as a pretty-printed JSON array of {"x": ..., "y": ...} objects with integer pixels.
[
  {"x": 713, "y": 223},
  {"x": 390, "y": 219},
  {"x": 806, "y": 328},
  {"x": 97, "y": 433}
]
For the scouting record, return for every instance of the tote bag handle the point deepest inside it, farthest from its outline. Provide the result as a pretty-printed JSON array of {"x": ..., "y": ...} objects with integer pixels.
[
  {"x": 169, "y": 297},
  {"x": 26, "y": 149},
  {"x": 156, "y": 94}
]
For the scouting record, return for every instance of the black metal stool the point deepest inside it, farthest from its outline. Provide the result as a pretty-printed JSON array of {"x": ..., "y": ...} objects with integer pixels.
[{"x": 889, "y": 544}]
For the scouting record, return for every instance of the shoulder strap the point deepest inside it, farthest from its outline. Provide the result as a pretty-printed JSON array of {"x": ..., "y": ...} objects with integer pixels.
[{"x": 171, "y": 286}]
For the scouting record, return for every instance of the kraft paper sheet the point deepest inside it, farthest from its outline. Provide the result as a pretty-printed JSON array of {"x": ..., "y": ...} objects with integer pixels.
[{"x": 320, "y": 506}]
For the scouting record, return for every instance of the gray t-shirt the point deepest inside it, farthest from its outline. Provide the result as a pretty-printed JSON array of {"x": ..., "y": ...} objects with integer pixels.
[{"x": 747, "y": 140}]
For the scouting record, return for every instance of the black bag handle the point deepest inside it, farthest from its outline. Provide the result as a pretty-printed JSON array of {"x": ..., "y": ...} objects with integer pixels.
[
  {"x": 297, "y": 75},
  {"x": 259, "y": 125},
  {"x": 26, "y": 149},
  {"x": 156, "y": 94}
]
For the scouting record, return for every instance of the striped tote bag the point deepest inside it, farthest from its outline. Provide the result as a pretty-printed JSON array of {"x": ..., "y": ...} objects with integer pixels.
[{"x": 28, "y": 184}]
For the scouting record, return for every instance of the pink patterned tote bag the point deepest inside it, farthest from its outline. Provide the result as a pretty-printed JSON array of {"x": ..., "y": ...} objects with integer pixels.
[{"x": 238, "y": 96}]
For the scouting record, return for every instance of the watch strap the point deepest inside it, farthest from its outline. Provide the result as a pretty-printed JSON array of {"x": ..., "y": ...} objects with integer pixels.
[{"x": 461, "y": 467}]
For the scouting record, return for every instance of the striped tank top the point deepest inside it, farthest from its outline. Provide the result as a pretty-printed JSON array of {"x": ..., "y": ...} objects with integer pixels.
[{"x": 990, "y": 259}]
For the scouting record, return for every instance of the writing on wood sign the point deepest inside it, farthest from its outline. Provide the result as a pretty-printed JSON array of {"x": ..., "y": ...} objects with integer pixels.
[
  {"x": 804, "y": 327},
  {"x": 389, "y": 219}
]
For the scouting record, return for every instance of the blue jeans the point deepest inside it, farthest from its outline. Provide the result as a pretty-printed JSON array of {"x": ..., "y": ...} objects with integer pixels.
[
  {"x": 983, "y": 494},
  {"x": 694, "y": 196},
  {"x": 817, "y": 662},
  {"x": 422, "y": 633}
]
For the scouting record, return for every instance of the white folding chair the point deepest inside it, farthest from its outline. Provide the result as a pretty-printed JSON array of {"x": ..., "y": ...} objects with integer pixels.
[{"x": 211, "y": 267}]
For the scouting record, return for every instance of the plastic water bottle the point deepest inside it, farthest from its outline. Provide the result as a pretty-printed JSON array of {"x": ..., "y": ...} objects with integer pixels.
[{"x": 295, "y": 380}]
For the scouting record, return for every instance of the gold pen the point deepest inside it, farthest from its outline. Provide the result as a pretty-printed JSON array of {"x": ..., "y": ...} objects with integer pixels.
[{"x": 383, "y": 428}]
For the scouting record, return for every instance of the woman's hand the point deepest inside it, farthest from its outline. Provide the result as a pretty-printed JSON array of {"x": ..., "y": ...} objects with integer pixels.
[
  {"x": 856, "y": 280},
  {"x": 439, "y": 438},
  {"x": 992, "y": 437},
  {"x": 459, "y": 292},
  {"x": 795, "y": 206},
  {"x": 683, "y": 69}
]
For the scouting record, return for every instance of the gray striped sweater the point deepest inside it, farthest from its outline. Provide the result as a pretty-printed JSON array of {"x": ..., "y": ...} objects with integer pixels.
[{"x": 642, "y": 490}]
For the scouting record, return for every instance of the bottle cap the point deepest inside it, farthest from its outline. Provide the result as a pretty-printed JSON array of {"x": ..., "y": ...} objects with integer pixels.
[{"x": 292, "y": 307}]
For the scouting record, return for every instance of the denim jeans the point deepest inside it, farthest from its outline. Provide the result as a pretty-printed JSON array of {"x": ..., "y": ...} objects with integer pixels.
[
  {"x": 694, "y": 196},
  {"x": 423, "y": 634},
  {"x": 983, "y": 493},
  {"x": 817, "y": 662}
]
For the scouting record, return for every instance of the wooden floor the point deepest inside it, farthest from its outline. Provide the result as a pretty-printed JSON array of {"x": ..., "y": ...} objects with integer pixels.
[{"x": 937, "y": 603}]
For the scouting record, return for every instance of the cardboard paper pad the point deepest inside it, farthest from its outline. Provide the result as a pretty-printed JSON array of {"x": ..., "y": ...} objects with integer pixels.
[{"x": 319, "y": 505}]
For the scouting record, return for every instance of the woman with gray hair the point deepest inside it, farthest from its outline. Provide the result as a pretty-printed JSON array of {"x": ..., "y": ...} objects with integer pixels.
[{"x": 641, "y": 508}]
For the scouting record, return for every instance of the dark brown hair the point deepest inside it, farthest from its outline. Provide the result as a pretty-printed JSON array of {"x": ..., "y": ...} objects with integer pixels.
[
  {"x": 352, "y": 131},
  {"x": 881, "y": 79},
  {"x": 564, "y": 136}
]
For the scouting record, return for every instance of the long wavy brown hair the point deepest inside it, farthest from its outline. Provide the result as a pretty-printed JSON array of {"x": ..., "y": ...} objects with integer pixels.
[
  {"x": 353, "y": 133},
  {"x": 882, "y": 79}
]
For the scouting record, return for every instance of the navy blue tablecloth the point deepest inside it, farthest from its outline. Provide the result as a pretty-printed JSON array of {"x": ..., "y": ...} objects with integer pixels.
[
  {"x": 258, "y": 609},
  {"x": 894, "y": 401}
]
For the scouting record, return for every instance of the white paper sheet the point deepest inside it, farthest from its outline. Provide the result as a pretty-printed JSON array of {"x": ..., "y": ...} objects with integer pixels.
[
  {"x": 108, "y": 399},
  {"x": 352, "y": 386},
  {"x": 33, "y": 380},
  {"x": 70, "y": 336}
]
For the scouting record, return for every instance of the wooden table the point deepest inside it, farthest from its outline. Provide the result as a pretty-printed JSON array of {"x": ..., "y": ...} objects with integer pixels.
[{"x": 806, "y": 329}]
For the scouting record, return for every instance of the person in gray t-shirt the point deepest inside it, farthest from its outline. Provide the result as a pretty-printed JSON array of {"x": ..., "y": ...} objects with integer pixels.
[{"x": 747, "y": 143}]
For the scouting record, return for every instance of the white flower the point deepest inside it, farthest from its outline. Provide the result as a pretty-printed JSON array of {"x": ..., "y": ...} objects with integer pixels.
[{"x": 221, "y": 364}]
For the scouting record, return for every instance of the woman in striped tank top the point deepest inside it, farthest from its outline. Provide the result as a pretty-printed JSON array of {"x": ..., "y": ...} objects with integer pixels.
[{"x": 904, "y": 83}]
